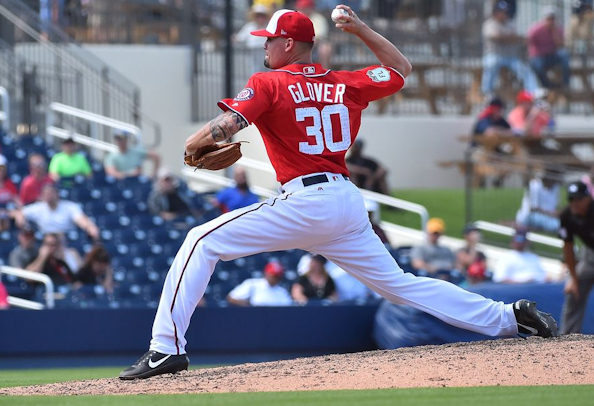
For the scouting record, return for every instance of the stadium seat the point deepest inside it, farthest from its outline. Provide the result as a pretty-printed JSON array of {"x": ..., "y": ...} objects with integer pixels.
[
  {"x": 95, "y": 208},
  {"x": 127, "y": 263},
  {"x": 131, "y": 208},
  {"x": 142, "y": 249},
  {"x": 128, "y": 236}
]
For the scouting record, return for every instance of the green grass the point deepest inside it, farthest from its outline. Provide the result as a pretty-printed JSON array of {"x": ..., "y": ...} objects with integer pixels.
[
  {"x": 484, "y": 396},
  {"x": 494, "y": 205},
  {"x": 25, "y": 377}
]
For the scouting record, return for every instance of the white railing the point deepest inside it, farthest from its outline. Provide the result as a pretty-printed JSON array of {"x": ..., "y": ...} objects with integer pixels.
[
  {"x": 210, "y": 177},
  {"x": 377, "y": 197},
  {"x": 95, "y": 119},
  {"x": 504, "y": 230},
  {"x": 5, "y": 111},
  {"x": 32, "y": 276}
]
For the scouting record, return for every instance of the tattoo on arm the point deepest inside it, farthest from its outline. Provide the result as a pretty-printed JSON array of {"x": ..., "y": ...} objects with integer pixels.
[{"x": 226, "y": 125}]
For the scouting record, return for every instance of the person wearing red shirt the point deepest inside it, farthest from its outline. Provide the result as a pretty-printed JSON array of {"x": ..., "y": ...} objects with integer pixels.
[
  {"x": 308, "y": 117},
  {"x": 545, "y": 48},
  {"x": 34, "y": 182}
]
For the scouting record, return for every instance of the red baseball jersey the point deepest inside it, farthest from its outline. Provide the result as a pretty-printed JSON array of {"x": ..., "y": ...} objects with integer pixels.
[{"x": 309, "y": 116}]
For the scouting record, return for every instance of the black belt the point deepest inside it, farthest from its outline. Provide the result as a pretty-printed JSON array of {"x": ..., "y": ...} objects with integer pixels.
[{"x": 313, "y": 180}]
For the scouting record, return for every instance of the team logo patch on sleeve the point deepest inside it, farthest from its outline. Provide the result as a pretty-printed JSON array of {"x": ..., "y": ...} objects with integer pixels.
[
  {"x": 245, "y": 94},
  {"x": 379, "y": 75}
]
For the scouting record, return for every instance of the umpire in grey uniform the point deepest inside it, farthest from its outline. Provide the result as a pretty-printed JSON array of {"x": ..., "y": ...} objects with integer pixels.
[{"x": 577, "y": 219}]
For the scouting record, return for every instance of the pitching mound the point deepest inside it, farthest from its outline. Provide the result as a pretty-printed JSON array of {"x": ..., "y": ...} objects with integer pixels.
[{"x": 561, "y": 361}]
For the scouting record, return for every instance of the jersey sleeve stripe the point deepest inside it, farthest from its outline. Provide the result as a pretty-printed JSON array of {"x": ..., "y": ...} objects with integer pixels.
[{"x": 233, "y": 110}]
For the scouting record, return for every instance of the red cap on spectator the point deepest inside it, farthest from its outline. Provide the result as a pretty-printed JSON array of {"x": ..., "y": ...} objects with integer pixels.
[
  {"x": 524, "y": 96},
  {"x": 274, "y": 268},
  {"x": 305, "y": 4},
  {"x": 288, "y": 24}
]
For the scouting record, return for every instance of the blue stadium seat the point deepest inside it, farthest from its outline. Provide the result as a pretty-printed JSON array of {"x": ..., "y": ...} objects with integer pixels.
[
  {"x": 145, "y": 222},
  {"x": 137, "y": 277},
  {"x": 20, "y": 167},
  {"x": 127, "y": 263},
  {"x": 132, "y": 182},
  {"x": 95, "y": 208},
  {"x": 131, "y": 207},
  {"x": 158, "y": 263},
  {"x": 112, "y": 221},
  {"x": 128, "y": 236},
  {"x": 144, "y": 248},
  {"x": 82, "y": 194},
  {"x": 256, "y": 262}
]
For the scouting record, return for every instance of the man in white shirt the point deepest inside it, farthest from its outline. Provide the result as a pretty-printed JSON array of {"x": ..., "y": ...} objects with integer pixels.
[
  {"x": 539, "y": 205},
  {"x": 264, "y": 291},
  {"x": 519, "y": 266},
  {"x": 52, "y": 215}
]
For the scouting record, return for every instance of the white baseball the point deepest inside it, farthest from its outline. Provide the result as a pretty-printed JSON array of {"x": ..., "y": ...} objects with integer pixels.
[{"x": 337, "y": 15}]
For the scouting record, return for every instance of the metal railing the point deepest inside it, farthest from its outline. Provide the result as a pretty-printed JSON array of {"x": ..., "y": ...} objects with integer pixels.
[
  {"x": 32, "y": 276},
  {"x": 509, "y": 231},
  {"x": 59, "y": 70},
  {"x": 5, "y": 109},
  {"x": 56, "y": 110}
]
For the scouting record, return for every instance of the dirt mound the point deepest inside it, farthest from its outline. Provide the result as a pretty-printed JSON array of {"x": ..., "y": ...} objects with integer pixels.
[{"x": 560, "y": 361}]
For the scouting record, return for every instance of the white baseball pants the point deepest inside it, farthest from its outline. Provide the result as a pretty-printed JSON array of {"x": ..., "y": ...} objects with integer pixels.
[{"x": 325, "y": 218}]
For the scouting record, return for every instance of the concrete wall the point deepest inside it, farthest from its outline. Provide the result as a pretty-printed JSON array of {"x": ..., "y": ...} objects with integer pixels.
[{"x": 410, "y": 147}]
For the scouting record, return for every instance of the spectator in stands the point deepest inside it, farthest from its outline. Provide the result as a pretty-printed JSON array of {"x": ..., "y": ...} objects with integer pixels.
[
  {"x": 33, "y": 183},
  {"x": 258, "y": 19},
  {"x": 70, "y": 255},
  {"x": 366, "y": 172},
  {"x": 26, "y": 252},
  {"x": 315, "y": 283},
  {"x": 50, "y": 263},
  {"x": 53, "y": 215},
  {"x": 348, "y": 288},
  {"x": 373, "y": 210},
  {"x": 577, "y": 220},
  {"x": 491, "y": 120},
  {"x": 433, "y": 257},
  {"x": 580, "y": 32},
  {"x": 8, "y": 191},
  {"x": 539, "y": 204},
  {"x": 96, "y": 269},
  {"x": 69, "y": 162},
  {"x": 527, "y": 117},
  {"x": 4, "y": 305},
  {"x": 127, "y": 161},
  {"x": 8, "y": 195},
  {"x": 264, "y": 291},
  {"x": 546, "y": 49},
  {"x": 502, "y": 48},
  {"x": 510, "y": 7},
  {"x": 237, "y": 196},
  {"x": 323, "y": 47},
  {"x": 469, "y": 259},
  {"x": 519, "y": 265},
  {"x": 165, "y": 199}
]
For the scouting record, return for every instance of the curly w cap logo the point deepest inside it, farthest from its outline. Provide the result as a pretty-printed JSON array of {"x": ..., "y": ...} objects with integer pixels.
[
  {"x": 379, "y": 75},
  {"x": 245, "y": 94}
]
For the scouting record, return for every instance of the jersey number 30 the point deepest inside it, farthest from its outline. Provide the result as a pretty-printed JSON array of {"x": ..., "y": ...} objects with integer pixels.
[{"x": 321, "y": 129}]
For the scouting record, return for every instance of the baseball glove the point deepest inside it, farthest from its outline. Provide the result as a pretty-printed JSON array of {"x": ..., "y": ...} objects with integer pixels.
[{"x": 214, "y": 157}]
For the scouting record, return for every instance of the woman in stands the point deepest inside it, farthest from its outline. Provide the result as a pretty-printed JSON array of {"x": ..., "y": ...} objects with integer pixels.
[
  {"x": 96, "y": 270},
  {"x": 315, "y": 283}
]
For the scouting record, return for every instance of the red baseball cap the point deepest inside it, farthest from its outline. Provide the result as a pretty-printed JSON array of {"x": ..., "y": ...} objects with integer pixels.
[
  {"x": 288, "y": 24},
  {"x": 524, "y": 96},
  {"x": 274, "y": 268}
]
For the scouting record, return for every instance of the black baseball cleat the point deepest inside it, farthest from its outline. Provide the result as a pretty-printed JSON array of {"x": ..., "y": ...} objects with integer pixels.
[
  {"x": 532, "y": 321},
  {"x": 154, "y": 363}
]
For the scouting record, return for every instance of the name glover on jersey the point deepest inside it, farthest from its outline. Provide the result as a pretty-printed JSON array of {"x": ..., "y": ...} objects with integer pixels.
[{"x": 319, "y": 92}]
